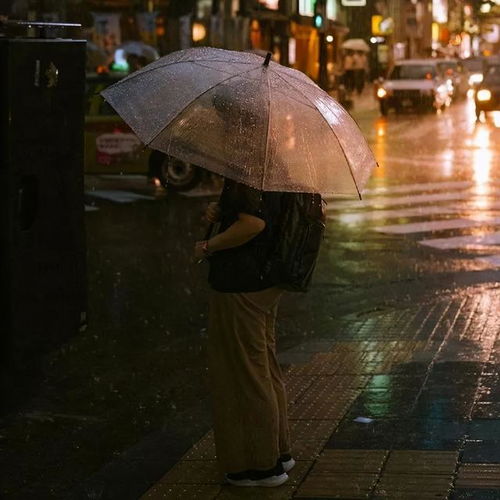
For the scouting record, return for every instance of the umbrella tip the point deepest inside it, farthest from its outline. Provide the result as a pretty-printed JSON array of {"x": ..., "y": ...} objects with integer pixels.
[{"x": 268, "y": 58}]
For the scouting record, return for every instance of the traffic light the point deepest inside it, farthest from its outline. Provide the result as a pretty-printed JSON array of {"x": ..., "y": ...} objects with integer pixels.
[{"x": 319, "y": 15}]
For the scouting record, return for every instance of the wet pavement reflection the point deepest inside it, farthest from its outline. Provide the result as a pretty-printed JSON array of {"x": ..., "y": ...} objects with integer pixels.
[{"x": 396, "y": 330}]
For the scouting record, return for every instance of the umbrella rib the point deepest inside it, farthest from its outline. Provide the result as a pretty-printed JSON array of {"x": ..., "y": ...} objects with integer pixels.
[
  {"x": 266, "y": 162},
  {"x": 334, "y": 133},
  {"x": 194, "y": 99}
]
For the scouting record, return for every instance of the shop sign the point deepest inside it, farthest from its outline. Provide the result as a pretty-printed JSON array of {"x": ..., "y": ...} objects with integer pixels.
[{"x": 440, "y": 11}]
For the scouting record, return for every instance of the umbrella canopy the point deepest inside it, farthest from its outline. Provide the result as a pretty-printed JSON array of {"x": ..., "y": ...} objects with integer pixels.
[
  {"x": 246, "y": 118},
  {"x": 356, "y": 44}
]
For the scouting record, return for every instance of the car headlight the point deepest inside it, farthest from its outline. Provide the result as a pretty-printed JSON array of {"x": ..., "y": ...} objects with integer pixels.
[
  {"x": 483, "y": 95},
  {"x": 381, "y": 92},
  {"x": 475, "y": 78}
]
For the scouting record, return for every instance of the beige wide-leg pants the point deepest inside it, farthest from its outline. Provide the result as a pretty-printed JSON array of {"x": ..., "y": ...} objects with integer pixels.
[{"x": 248, "y": 393}]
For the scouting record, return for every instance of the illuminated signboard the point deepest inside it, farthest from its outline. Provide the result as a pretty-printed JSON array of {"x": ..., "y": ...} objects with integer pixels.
[
  {"x": 306, "y": 7},
  {"x": 440, "y": 11},
  {"x": 270, "y": 4},
  {"x": 353, "y": 3},
  {"x": 331, "y": 9}
]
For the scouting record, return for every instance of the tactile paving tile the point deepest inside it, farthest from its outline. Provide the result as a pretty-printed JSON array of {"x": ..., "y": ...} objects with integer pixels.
[
  {"x": 421, "y": 462},
  {"x": 366, "y": 461},
  {"x": 478, "y": 476},
  {"x": 284, "y": 492},
  {"x": 337, "y": 485},
  {"x": 182, "y": 492},
  {"x": 333, "y": 388},
  {"x": 327, "y": 409},
  {"x": 310, "y": 436},
  {"x": 204, "y": 449},
  {"x": 296, "y": 386},
  {"x": 413, "y": 486},
  {"x": 193, "y": 472}
]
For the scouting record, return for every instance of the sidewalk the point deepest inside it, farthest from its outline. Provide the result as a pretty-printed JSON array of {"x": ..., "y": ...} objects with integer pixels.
[
  {"x": 424, "y": 376},
  {"x": 364, "y": 102}
]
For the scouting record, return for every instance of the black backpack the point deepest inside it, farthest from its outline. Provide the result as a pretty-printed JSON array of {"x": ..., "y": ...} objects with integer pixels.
[{"x": 297, "y": 239}]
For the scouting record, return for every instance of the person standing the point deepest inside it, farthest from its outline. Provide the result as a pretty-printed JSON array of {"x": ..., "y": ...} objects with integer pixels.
[
  {"x": 360, "y": 62},
  {"x": 348, "y": 65},
  {"x": 248, "y": 393}
]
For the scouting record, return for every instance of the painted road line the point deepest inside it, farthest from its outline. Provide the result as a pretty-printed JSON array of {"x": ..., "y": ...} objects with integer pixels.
[
  {"x": 401, "y": 200},
  {"x": 90, "y": 208},
  {"x": 476, "y": 240},
  {"x": 493, "y": 260},
  {"x": 360, "y": 217},
  {"x": 118, "y": 196},
  {"x": 417, "y": 199},
  {"x": 424, "y": 186},
  {"x": 437, "y": 225},
  {"x": 478, "y": 204}
]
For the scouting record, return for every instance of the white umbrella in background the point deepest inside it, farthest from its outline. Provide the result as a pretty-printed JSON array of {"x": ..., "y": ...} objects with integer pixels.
[{"x": 356, "y": 44}]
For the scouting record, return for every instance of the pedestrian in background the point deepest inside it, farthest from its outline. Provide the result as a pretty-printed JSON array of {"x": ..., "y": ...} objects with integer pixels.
[
  {"x": 360, "y": 62},
  {"x": 348, "y": 65},
  {"x": 248, "y": 394}
]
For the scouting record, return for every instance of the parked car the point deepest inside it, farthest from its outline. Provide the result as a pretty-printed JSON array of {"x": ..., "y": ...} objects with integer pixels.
[
  {"x": 457, "y": 74},
  {"x": 487, "y": 96},
  {"x": 416, "y": 84},
  {"x": 111, "y": 147}
]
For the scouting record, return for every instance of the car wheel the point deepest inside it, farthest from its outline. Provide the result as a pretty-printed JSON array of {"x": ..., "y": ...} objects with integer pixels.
[
  {"x": 384, "y": 109},
  {"x": 178, "y": 175}
]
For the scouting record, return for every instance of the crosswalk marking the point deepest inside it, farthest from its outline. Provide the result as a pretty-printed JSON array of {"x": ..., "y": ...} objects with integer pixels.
[
  {"x": 437, "y": 225},
  {"x": 423, "y": 186},
  {"x": 359, "y": 217},
  {"x": 118, "y": 196},
  {"x": 475, "y": 240},
  {"x": 493, "y": 260},
  {"x": 468, "y": 207},
  {"x": 401, "y": 200}
]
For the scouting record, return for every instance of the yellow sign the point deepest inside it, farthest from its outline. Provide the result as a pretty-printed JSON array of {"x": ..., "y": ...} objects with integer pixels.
[{"x": 376, "y": 20}]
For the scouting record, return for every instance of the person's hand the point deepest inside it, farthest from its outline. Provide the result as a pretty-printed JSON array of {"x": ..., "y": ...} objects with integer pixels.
[
  {"x": 199, "y": 250},
  {"x": 212, "y": 213}
]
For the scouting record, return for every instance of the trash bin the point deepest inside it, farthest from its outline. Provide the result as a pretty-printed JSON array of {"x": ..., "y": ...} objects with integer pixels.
[{"x": 42, "y": 238}]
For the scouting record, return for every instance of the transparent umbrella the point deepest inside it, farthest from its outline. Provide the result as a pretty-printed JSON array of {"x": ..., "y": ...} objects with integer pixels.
[
  {"x": 245, "y": 118},
  {"x": 356, "y": 44}
]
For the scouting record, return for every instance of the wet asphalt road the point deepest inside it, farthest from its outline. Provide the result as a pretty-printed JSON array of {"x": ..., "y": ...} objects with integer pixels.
[{"x": 130, "y": 392}]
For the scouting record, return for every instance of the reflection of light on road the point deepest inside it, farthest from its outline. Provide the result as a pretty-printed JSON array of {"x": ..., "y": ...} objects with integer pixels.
[
  {"x": 470, "y": 93},
  {"x": 496, "y": 118},
  {"x": 381, "y": 127},
  {"x": 448, "y": 158},
  {"x": 481, "y": 165},
  {"x": 379, "y": 148}
]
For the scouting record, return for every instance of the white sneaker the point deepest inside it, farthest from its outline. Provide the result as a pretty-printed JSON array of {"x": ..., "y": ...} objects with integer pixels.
[
  {"x": 268, "y": 482},
  {"x": 269, "y": 478},
  {"x": 288, "y": 464}
]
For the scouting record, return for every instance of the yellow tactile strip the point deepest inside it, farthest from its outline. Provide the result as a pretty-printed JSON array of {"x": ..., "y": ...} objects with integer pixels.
[
  {"x": 478, "y": 476},
  {"x": 388, "y": 474},
  {"x": 417, "y": 474},
  {"x": 343, "y": 474},
  {"x": 421, "y": 462},
  {"x": 182, "y": 491}
]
